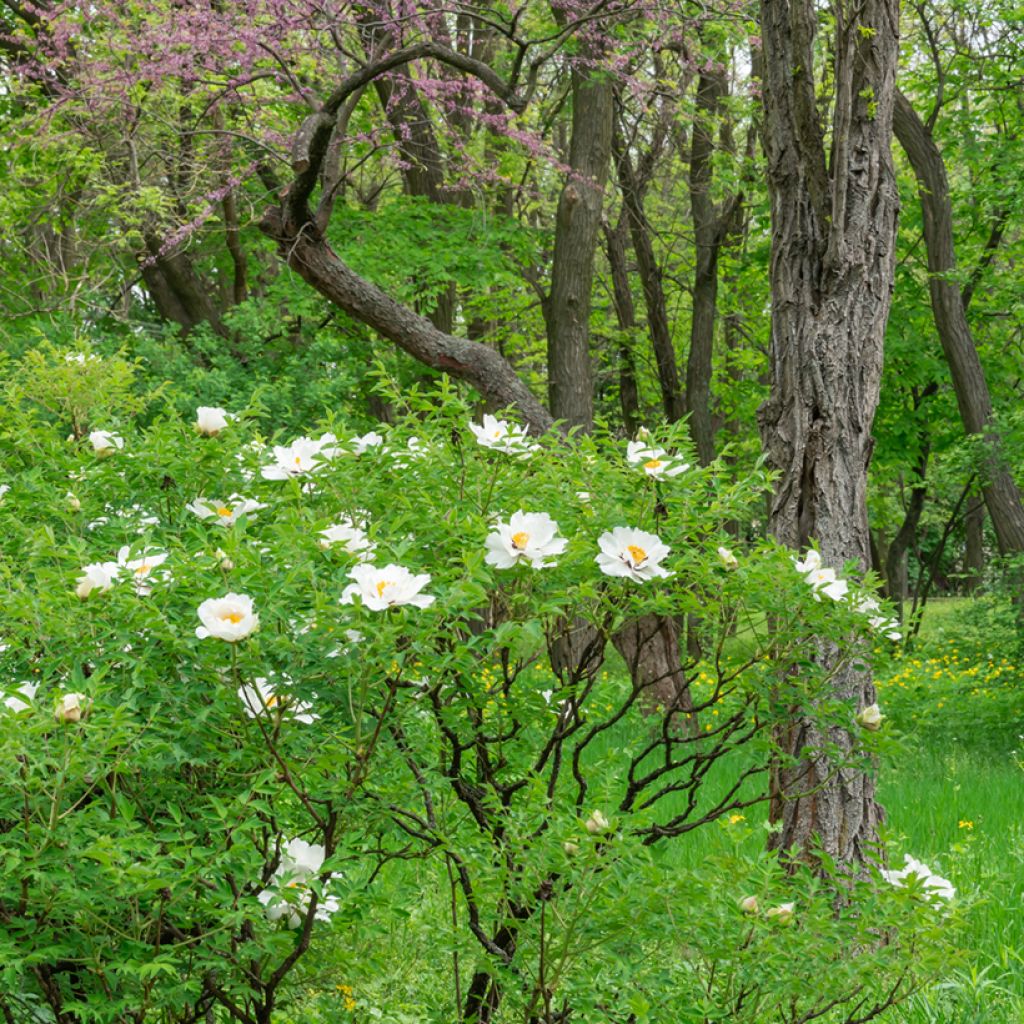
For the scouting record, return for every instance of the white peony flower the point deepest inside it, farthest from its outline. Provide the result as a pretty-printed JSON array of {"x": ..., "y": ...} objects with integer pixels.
[
  {"x": 634, "y": 554},
  {"x": 811, "y": 562},
  {"x": 293, "y": 910},
  {"x": 639, "y": 451},
  {"x": 880, "y": 623},
  {"x": 414, "y": 449},
  {"x": 19, "y": 700},
  {"x": 97, "y": 576},
  {"x": 728, "y": 559},
  {"x": 934, "y": 885},
  {"x": 228, "y": 618},
  {"x": 303, "y": 455},
  {"x": 503, "y": 436},
  {"x": 361, "y": 445},
  {"x": 870, "y": 718},
  {"x": 225, "y": 513},
  {"x": 261, "y": 698},
  {"x": 596, "y": 823},
  {"x": 653, "y": 461},
  {"x": 289, "y": 896},
  {"x": 349, "y": 537},
  {"x": 823, "y": 581},
  {"x": 71, "y": 707},
  {"x": 141, "y": 569},
  {"x": 105, "y": 443},
  {"x": 210, "y": 420},
  {"x": 386, "y": 588},
  {"x": 527, "y": 536},
  {"x": 4, "y": 488}
]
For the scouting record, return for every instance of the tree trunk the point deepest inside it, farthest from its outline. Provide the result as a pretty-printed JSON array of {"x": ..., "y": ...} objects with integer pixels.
[
  {"x": 632, "y": 186},
  {"x": 832, "y": 264},
  {"x": 896, "y": 556},
  {"x": 708, "y": 231},
  {"x": 974, "y": 545},
  {"x": 577, "y": 222},
  {"x": 625, "y": 314},
  {"x": 1002, "y": 497}
]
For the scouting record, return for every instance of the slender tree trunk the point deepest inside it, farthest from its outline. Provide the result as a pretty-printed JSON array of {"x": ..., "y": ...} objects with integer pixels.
[
  {"x": 896, "y": 556},
  {"x": 708, "y": 230},
  {"x": 632, "y": 185},
  {"x": 832, "y": 264},
  {"x": 974, "y": 545},
  {"x": 625, "y": 315},
  {"x": 577, "y": 223},
  {"x": 1002, "y": 496}
]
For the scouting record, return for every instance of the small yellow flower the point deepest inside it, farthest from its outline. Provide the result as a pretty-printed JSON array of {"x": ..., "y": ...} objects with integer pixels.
[
  {"x": 735, "y": 819},
  {"x": 965, "y": 824}
]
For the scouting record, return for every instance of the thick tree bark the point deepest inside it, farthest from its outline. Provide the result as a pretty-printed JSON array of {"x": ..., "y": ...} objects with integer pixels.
[
  {"x": 1002, "y": 496},
  {"x": 577, "y": 223},
  {"x": 832, "y": 264},
  {"x": 177, "y": 289}
]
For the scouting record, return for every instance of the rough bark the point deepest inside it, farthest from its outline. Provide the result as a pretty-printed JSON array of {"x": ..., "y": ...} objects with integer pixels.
[
  {"x": 177, "y": 289},
  {"x": 577, "y": 223},
  {"x": 1001, "y": 494},
  {"x": 833, "y": 249}
]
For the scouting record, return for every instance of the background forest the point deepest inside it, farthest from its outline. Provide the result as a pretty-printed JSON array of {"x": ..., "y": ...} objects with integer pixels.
[{"x": 537, "y": 796}]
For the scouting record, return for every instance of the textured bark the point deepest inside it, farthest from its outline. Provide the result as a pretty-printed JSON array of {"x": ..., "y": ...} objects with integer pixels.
[
  {"x": 650, "y": 648},
  {"x": 577, "y": 222},
  {"x": 833, "y": 250},
  {"x": 1002, "y": 496},
  {"x": 633, "y": 184},
  {"x": 312, "y": 258}
]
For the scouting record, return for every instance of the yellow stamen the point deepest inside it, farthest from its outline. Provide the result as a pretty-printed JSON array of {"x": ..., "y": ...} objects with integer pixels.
[
  {"x": 142, "y": 570},
  {"x": 235, "y": 617},
  {"x": 637, "y": 554},
  {"x": 223, "y": 511},
  {"x": 381, "y": 585},
  {"x": 653, "y": 464},
  {"x": 520, "y": 540},
  {"x": 272, "y": 701}
]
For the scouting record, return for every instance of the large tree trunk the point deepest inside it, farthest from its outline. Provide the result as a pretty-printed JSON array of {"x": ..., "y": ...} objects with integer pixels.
[
  {"x": 1002, "y": 497},
  {"x": 832, "y": 264},
  {"x": 577, "y": 223}
]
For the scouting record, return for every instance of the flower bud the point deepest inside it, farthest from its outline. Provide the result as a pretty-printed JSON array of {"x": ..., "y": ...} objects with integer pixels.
[
  {"x": 225, "y": 562},
  {"x": 73, "y": 503},
  {"x": 782, "y": 914},
  {"x": 729, "y": 560},
  {"x": 596, "y": 823},
  {"x": 749, "y": 905},
  {"x": 70, "y": 708},
  {"x": 571, "y": 849},
  {"x": 870, "y": 718}
]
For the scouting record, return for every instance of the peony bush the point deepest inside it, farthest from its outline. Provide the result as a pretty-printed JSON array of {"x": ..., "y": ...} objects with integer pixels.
[{"x": 406, "y": 675}]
